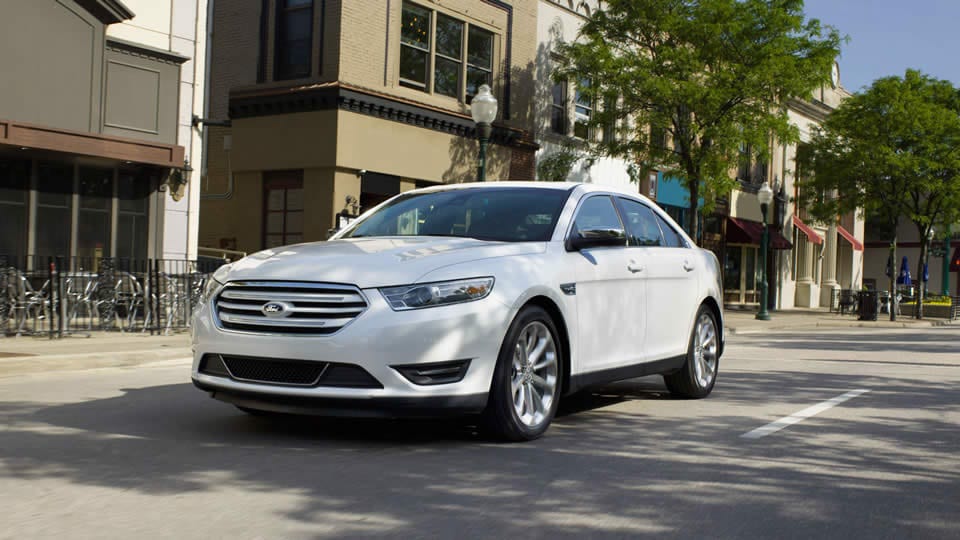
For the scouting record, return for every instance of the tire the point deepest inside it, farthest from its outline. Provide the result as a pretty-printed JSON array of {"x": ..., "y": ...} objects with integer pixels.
[
  {"x": 529, "y": 371},
  {"x": 696, "y": 378}
]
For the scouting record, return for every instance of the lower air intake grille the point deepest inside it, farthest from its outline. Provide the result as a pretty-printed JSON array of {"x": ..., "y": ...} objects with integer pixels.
[
  {"x": 287, "y": 372},
  {"x": 274, "y": 371}
]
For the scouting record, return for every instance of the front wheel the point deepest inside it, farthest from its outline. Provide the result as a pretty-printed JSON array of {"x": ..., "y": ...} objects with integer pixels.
[
  {"x": 699, "y": 373},
  {"x": 524, "y": 393}
]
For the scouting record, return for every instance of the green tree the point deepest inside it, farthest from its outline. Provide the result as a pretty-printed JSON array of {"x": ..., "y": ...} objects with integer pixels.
[
  {"x": 892, "y": 151},
  {"x": 712, "y": 75}
]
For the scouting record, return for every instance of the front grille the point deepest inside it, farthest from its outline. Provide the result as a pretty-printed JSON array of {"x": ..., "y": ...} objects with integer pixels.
[
  {"x": 288, "y": 307},
  {"x": 287, "y": 372}
]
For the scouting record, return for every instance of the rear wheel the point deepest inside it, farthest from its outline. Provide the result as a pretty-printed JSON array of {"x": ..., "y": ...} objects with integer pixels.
[
  {"x": 699, "y": 372},
  {"x": 525, "y": 391}
]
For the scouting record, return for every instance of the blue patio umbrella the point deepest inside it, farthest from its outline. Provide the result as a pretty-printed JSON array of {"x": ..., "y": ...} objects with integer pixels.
[{"x": 904, "y": 277}]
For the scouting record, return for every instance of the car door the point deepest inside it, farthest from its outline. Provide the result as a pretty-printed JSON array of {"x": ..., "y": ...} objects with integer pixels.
[
  {"x": 669, "y": 269},
  {"x": 609, "y": 295}
]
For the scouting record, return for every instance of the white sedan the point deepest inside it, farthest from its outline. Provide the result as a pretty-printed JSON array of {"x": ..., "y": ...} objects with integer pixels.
[{"x": 494, "y": 299}]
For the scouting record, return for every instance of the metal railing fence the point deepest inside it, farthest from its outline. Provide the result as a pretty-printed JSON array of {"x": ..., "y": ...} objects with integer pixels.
[{"x": 58, "y": 296}]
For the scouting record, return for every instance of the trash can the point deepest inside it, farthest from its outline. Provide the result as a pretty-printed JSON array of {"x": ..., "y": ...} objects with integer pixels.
[{"x": 869, "y": 305}]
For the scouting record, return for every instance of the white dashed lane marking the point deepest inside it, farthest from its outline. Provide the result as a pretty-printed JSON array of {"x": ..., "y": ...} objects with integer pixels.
[{"x": 799, "y": 416}]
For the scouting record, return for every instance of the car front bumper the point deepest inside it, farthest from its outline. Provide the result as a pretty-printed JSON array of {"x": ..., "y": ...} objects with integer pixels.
[{"x": 376, "y": 341}]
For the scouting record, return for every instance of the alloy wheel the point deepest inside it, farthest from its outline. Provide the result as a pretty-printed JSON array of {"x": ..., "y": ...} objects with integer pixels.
[
  {"x": 705, "y": 351},
  {"x": 533, "y": 377}
]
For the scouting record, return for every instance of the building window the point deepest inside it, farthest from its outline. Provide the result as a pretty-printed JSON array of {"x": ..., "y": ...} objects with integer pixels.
[
  {"x": 479, "y": 60},
  {"x": 658, "y": 137},
  {"x": 283, "y": 208},
  {"x": 558, "y": 108},
  {"x": 14, "y": 188},
  {"x": 744, "y": 163},
  {"x": 610, "y": 126},
  {"x": 447, "y": 65},
  {"x": 294, "y": 39},
  {"x": 415, "y": 47},
  {"x": 95, "y": 207},
  {"x": 133, "y": 192},
  {"x": 459, "y": 66},
  {"x": 54, "y": 209},
  {"x": 582, "y": 112}
]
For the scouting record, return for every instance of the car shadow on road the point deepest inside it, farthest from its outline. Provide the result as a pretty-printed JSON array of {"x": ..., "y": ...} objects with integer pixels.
[{"x": 624, "y": 460}]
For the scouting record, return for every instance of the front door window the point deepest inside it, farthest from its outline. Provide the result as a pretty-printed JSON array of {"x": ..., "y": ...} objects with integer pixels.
[{"x": 283, "y": 208}]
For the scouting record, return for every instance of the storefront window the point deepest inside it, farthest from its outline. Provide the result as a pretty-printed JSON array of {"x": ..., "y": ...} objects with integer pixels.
[
  {"x": 133, "y": 193},
  {"x": 96, "y": 201},
  {"x": 14, "y": 189},
  {"x": 54, "y": 209},
  {"x": 741, "y": 275}
]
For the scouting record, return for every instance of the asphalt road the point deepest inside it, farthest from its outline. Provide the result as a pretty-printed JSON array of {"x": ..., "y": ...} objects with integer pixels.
[{"x": 139, "y": 453}]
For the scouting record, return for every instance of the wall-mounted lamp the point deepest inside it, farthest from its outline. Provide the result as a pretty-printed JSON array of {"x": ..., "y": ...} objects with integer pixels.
[{"x": 179, "y": 178}]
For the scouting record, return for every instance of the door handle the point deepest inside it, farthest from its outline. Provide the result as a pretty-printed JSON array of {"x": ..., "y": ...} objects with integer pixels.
[
  {"x": 687, "y": 266},
  {"x": 634, "y": 267}
]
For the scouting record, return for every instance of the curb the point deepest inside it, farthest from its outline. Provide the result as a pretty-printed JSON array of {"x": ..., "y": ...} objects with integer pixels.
[
  {"x": 839, "y": 325},
  {"x": 16, "y": 366}
]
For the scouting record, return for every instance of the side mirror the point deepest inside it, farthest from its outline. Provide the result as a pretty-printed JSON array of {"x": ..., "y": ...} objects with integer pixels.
[{"x": 591, "y": 238}]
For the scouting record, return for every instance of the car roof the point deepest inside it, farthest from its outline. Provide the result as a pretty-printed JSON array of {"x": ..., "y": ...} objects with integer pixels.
[{"x": 560, "y": 186}]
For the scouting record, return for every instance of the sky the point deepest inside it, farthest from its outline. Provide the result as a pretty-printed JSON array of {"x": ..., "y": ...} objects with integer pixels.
[{"x": 888, "y": 36}]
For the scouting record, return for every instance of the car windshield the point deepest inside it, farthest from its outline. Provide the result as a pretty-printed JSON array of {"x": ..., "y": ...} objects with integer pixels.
[{"x": 504, "y": 215}]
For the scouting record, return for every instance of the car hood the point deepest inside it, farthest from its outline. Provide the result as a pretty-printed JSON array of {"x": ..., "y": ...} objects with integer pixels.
[{"x": 370, "y": 262}]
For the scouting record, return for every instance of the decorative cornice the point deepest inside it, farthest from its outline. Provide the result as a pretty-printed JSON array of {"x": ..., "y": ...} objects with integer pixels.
[
  {"x": 107, "y": 11},
  {"x": 815, "y": 109},
  {"x": 329, "y": 96},
  {"x": 144, "y": 51}
]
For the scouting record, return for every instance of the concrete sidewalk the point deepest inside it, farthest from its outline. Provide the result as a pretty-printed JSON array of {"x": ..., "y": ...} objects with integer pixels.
[
  {"x": 745, "y": 322},
  {"x": 36, "y": 354},
  {"x": 26, "y": 354}
]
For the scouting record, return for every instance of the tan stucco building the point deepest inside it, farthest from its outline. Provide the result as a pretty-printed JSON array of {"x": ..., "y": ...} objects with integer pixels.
[{"x": 333, "y": 106}]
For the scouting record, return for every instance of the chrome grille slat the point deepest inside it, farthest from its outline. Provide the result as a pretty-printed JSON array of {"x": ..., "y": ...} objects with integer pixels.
[
  {"x": 256, "y": 307},
  {"x": 305, "y": 308},
  {"x": 287, "y": 321},
  {"x": 345, "y": 298}
]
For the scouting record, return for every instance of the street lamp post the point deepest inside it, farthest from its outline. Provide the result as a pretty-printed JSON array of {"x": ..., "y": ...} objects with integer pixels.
[
  {"x": 765, "y": 195},
  {"x": 946, "y": 262},
  {"x": 483, "y": 108}
]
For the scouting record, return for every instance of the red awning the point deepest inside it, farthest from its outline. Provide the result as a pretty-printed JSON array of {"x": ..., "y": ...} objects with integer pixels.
[
  {"x": 857, "y": 245},
  {"x": 742, "y": 231},
  {"x": 811, "y": 234}
]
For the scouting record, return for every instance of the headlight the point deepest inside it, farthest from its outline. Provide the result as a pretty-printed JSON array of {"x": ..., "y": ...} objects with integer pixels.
[
  {"x": 210, "y": 288},
  {"x": 422, "y": 295}
]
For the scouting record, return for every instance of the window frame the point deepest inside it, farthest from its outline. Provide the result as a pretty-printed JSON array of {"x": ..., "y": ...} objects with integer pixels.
[
  {"x": 464, "y": 63},
  {"x": 562, "y": 107},
  {"x": 589, "y": 107},
  {"x": 280, "y": 42},
  {"x": 653, "y": 214},
  {"x": 572, "y": 226},
  {"x": 282, "y": 180}
]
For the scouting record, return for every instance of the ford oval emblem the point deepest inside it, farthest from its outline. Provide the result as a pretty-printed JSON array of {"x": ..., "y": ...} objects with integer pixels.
[{"x": 274, "y": 309}]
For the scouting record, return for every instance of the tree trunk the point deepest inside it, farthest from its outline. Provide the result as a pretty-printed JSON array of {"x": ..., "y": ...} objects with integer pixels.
[
  {"x": 922, "y": 285},
  {"x": 693, "y": 230}
]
